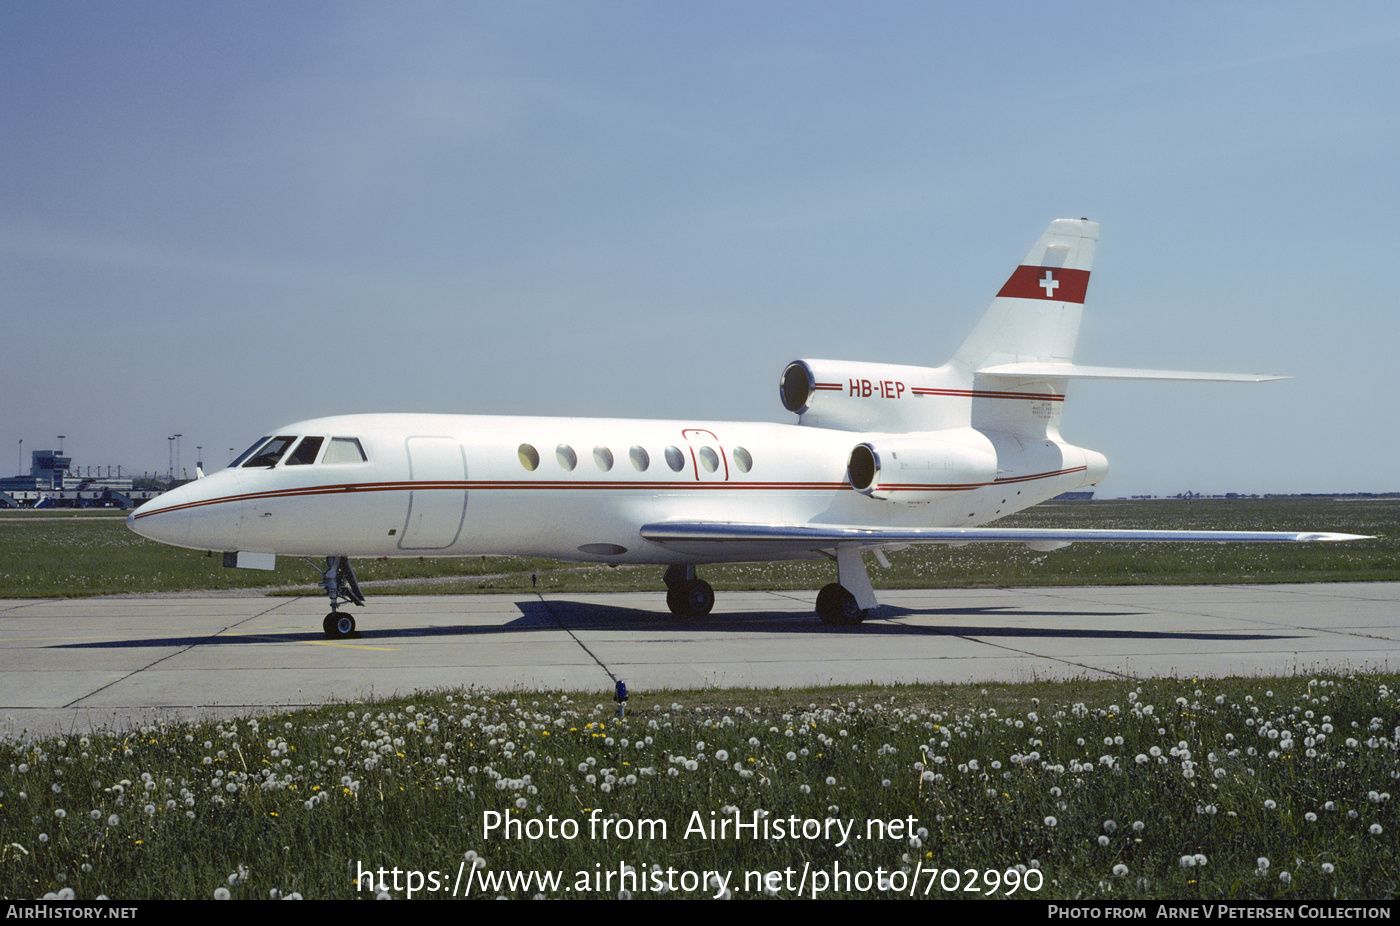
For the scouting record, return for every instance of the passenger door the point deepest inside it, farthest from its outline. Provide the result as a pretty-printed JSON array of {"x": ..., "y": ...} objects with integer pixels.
[{"x": 437, "y": 499}]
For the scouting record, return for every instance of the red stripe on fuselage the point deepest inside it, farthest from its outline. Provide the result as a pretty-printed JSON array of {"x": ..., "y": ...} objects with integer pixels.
[{"x": 557, "y": 485}]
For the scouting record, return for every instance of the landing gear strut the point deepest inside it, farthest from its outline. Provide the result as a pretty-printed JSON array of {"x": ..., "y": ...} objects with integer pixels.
[
  {"x": 338, "y": 580},
  {"x": 686, "y": 595}
]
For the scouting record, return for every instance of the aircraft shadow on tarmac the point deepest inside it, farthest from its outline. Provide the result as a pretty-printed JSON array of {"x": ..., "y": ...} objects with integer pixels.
[{"x": 549, "y": 616}]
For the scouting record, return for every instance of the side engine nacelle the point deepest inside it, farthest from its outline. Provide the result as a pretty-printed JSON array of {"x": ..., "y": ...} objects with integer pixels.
[
  {"x": 921, "y": 468},
  {"x": 850, "y": 396}
]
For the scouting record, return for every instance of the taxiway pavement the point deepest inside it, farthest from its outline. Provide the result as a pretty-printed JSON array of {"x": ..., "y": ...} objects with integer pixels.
[{"x": 78, "y": 664}]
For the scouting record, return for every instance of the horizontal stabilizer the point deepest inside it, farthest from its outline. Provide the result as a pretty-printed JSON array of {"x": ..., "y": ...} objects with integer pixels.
[
  {"x": 704, "y": 535},
  {"x": 1078, "y": 371}
]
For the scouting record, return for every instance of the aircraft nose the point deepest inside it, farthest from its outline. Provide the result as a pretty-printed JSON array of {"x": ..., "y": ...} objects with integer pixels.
[{"x": 162, "y": 519}]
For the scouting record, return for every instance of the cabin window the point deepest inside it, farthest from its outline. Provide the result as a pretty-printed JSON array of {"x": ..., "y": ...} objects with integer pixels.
[
  {"x": 529, "y": 457},
  {"x": 639, "y": 458},
  {"x": 566, "y": 457},
  {"x": 742, "y": 459},
  {"x": 709, "y": 459},
  {"x": 305, "y": 452},
  {"x": 271, "y": 452},
  {"x": 603, "y": 457},
  {"x": 249, "y": 452},
  {"x": 344, "y": 450},
  {"x": 675, "y": 459}
]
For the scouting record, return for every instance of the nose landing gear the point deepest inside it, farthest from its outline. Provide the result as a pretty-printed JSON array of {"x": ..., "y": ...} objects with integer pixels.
[{"x": 338, "y": 580}]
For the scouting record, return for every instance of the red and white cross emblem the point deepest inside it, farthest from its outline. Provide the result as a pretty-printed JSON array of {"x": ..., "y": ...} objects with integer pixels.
[{"x": 1049, "y": 283}]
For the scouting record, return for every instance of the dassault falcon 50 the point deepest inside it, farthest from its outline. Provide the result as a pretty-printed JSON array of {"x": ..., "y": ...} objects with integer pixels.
[{"x": 881, "y": 456}]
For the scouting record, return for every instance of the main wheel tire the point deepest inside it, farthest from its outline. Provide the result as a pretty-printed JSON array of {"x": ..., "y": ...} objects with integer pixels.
[
  {"x": 691, "y": 599},
  {"x": 338, "y": 626},
  {"x": 838, "y": 607}
]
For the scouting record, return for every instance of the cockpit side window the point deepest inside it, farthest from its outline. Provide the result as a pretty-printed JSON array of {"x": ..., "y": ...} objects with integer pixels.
[
  {"x": 271, "y": 452},
  {"x": 249, "y": 452},
  {"x": 345, "y": 450},
  {"x": 305, "y": 453}
]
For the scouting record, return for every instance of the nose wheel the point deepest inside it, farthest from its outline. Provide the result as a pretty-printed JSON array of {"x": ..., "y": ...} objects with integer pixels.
[{"x": 338, "y": 626}]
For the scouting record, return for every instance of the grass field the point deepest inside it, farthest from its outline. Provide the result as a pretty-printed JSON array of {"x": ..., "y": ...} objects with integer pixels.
[
  {"x": 1228, "y": 789},
  {"x": 89, "y": 554}
]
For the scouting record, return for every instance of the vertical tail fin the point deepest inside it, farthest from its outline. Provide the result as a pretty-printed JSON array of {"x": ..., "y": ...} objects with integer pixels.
[
  {"x": 1035, "y": 316},
  {"x": 1033, "y": 319}
]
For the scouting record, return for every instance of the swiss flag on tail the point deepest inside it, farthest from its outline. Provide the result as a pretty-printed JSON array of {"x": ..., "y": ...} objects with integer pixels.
[{"x": 1056, "y": 284}]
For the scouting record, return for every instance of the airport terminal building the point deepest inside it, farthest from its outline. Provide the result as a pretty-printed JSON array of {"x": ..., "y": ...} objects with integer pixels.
[{"x": 51, "y": 485}]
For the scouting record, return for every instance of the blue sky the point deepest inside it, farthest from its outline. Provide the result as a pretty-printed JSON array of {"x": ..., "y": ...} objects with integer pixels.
[{"x": 217, "y": 218}]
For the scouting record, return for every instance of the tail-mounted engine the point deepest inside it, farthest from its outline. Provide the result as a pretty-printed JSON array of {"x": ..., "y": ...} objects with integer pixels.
[
  {"x": 852, "y": 396},
  {"x": 924, "y": 467}
]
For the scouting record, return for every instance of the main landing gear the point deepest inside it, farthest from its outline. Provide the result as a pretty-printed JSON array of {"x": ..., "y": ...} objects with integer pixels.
[
  {"x": 686, "y": 595},
  {"x": 838, "y": 607},
  {"x": 338, "y": 579},
  {"x": 844, "y": 603},
  {"x": 850, "y": 599}
]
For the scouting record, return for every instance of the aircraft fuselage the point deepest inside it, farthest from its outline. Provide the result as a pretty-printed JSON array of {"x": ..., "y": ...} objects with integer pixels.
[{"x": 577, "y": 488}]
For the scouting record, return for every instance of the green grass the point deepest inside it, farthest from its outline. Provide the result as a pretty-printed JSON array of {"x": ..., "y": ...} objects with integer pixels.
[
  {"x": 85, "y": 556},
  {"x": 1052, "y": 790}
]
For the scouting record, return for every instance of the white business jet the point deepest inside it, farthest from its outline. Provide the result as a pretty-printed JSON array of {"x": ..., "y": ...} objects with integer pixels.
[{"x": 881, "y": 456}]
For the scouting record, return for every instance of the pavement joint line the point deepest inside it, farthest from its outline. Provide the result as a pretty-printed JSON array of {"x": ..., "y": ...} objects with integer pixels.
[{"x": 583, "y": 646}]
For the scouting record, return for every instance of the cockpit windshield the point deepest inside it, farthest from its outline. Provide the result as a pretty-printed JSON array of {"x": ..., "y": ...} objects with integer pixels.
[
  {"x": 249, "y": 452},
  {"x": 306, "y": 451},
  {"x": 270, "y": 452}
]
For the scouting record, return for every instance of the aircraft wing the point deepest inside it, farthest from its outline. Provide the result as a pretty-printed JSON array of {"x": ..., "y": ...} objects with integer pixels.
[{"x": 707, "y": 537}]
